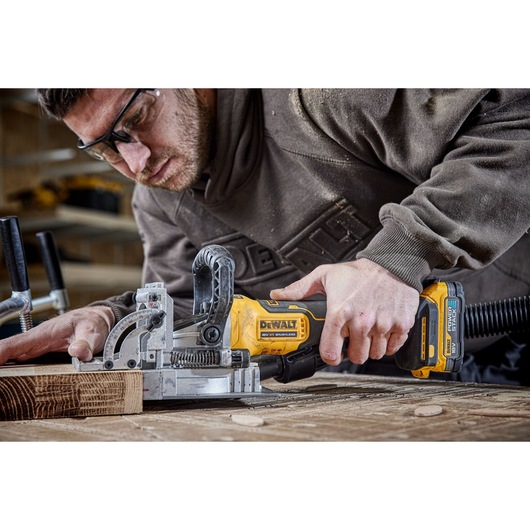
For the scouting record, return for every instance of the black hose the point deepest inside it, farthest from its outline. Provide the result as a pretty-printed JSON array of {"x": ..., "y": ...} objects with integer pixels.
[{"x": 497, "y": 317}]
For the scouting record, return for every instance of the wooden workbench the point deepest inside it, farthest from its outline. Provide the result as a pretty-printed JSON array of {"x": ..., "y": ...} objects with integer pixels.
[{"x": 326, "y": 407}]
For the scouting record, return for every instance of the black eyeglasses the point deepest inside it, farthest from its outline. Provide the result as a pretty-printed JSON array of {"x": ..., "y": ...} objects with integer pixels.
[{"x": 137, "y": 117}]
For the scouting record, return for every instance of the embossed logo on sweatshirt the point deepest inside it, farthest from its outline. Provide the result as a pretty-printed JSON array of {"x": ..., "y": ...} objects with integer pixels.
[{"x": 335, "y": 234}]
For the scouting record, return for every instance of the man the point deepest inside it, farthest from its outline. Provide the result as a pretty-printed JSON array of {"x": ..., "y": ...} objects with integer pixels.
[{"x": 358, "y": 195}]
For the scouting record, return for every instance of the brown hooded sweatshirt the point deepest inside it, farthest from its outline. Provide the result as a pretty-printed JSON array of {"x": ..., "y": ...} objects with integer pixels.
[{"x": 414, "y": 180}]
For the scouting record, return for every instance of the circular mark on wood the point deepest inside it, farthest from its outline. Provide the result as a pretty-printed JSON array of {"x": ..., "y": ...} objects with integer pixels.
[
  {"x": 428, "y": 410},
  {"x": 248, "y": 420}
]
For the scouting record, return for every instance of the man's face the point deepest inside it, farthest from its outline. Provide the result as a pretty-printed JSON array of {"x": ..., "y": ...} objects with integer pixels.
[{"x": 172, "y": 153}]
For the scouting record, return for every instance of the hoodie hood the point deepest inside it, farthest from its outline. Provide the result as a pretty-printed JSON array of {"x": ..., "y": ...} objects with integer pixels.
[{"x": 238, "y": 138}]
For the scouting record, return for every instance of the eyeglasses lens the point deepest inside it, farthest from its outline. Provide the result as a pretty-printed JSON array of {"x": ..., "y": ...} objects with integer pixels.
[{"x": 137, "y": 120}]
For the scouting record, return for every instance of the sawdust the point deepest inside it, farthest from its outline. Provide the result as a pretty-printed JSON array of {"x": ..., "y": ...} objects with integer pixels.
[{"x": 501, "y": 413}]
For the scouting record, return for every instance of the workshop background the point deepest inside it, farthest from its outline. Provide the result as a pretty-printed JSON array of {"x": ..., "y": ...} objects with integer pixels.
[{"x": 50, "y": 185}]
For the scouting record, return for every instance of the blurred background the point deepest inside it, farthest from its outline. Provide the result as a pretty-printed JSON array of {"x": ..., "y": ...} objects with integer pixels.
[{"x": 50, "y": 185}]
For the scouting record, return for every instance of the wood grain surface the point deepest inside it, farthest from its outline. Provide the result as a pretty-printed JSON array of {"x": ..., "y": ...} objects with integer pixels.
[
  {"x": 40, "y": 391},
  {"x": 326, "y": 407}
]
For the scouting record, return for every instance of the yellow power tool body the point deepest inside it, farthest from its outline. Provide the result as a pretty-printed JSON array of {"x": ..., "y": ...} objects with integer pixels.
[
  {"x": 282, "y": 337},
  {"x": 435, "y": 344},
  {"x": 291, "y": 330},
  {"x": 231, "y": 343},
  {"x": 275, "y": 327}
]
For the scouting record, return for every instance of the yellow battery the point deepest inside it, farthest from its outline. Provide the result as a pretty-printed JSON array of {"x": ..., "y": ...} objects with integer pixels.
[{"x": 436, "y": 342}]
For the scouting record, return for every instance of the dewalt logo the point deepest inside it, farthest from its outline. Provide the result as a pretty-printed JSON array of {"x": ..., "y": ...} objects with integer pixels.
[
  {"x": 281, "y": 329},
  {"x": 278, "y": 324}
]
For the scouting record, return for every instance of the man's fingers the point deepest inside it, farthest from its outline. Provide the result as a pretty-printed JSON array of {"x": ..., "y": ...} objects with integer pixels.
[
  {"x": 307, "y": 286},
  {"x": 359, "y": 349},
  {"x": 24, "y": 346},
  {"x": 332, "y": 342},
  {"x": 81, "y": 349},
  {"x": 89, "y": 338},
  {"x": 367, "y": 339},
  {"x": 365, "y": 303},
  {"x": 296, "y": 291},
  {"x": 378, "y": 346},
  {"x": 81, "y": 332},
  {"x": 395, "y": 342}
]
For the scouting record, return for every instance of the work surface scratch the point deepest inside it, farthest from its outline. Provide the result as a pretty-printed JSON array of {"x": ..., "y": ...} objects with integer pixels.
[{"x": 326, "y": 407}]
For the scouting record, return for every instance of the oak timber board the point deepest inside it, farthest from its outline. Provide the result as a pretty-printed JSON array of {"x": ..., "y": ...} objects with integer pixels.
[{"x": 41, "y": 391}]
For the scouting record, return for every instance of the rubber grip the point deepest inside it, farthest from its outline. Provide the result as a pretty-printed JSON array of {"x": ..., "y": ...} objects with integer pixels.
[
  {"x": 213, "y": 283},
  {"x": 50, "y": 259},
  {"x": 14, "y": 255}
]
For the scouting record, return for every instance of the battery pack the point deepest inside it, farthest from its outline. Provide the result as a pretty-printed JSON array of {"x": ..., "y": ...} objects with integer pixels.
[{"x": 436, "y": 342}]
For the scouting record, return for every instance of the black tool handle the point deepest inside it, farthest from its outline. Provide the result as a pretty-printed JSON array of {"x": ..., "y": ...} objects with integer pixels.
[
  {"x": 292, "y": 366},
  {"x": 213, "y": 286},
  {"x": 50, "y": 259},
  {"x": 213, "y": 283},
  {"x": 14, "y": 255}
]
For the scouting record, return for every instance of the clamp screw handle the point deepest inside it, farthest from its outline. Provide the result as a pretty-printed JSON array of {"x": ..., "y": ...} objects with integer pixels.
[
  {"x": 14, "y": 255},
  {"x": 51, "y": 261}
]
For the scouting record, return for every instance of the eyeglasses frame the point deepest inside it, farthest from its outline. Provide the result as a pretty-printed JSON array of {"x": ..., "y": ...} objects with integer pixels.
[{"x": 111, "y": 136}]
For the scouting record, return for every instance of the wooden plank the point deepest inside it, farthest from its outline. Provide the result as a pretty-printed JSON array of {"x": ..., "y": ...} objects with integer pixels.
[
  {"x": 58, "y": 391},
  {"x": 326, "y": 407}
]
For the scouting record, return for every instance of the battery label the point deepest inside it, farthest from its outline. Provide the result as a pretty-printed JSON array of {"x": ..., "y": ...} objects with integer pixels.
[
  {"x": 451, "y": 347},
  {"x": 452, "y": 315}
]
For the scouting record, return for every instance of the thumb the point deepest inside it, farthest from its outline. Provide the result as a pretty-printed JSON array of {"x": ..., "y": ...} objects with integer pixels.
[
  {"x": 81, "y": 349},
  {"x": 90, "y": 333},
  {"x": 307, "y": 286}
]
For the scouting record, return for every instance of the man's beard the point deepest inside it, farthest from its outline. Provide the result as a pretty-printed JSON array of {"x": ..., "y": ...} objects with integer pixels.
[{"x": 190, "y": 147}]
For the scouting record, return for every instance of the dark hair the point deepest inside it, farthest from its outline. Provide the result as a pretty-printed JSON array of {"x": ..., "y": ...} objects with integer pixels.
[{"x": 57, "y": 102}]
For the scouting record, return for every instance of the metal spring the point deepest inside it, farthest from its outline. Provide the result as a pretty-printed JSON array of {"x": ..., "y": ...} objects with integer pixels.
[
  {"x": 26, "y": 321},
  {"x": 498, "y": 317},
  {"x": 195, "y": 359}
]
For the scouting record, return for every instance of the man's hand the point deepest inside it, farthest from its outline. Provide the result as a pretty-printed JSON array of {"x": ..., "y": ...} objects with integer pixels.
[
  {"x": 365, "y": 302},
  {"x": 81, "y": 332}
]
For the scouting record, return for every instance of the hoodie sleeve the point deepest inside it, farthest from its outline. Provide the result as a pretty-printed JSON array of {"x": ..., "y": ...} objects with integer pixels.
[{"x": 475, "y": 203}]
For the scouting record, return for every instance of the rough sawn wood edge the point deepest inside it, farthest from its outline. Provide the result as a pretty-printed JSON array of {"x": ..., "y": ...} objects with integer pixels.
[{"x": 30, "y": 392}]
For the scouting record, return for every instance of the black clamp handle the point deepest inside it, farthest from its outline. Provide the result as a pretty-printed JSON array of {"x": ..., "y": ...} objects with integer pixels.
[
  {"x": 51, "y": 260},
  {"x": 14, "y": 255},
  {"x": 213, "y": 283}
]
